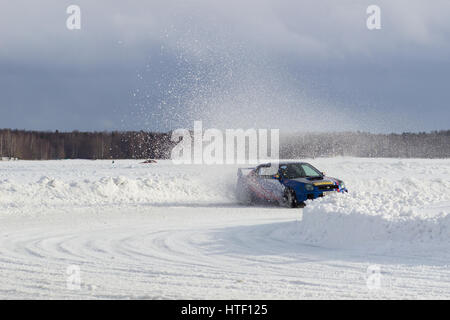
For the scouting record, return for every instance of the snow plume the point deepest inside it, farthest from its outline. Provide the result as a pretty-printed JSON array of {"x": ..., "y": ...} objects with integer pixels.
[{"x": 227, "y": 84}]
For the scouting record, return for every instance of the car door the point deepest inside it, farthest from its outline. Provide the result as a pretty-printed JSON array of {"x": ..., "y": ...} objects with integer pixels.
[{"x": 272, "y": 188}]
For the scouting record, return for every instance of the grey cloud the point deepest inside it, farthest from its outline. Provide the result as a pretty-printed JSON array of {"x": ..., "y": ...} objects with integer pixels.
[{"x": 161, "y": 64}]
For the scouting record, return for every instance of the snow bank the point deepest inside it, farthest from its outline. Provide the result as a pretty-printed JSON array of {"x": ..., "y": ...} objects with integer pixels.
[
  {"x": 330, "y": 223},
  {"x": 408, "y": 202},
  {"x": 36, "y": 186}
]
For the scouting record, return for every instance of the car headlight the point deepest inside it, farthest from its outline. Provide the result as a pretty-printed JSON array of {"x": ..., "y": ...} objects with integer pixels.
[
  {"x": 342, "y": 185},
  {"x": 309, "y": 187}
]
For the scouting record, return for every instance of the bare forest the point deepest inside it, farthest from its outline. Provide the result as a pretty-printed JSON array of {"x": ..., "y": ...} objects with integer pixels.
[{"x": 36, "y": 145}]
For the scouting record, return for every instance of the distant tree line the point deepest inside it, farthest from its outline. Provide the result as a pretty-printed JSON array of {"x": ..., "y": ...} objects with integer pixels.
[
  {"x": 36, "y": 145},
  {"x": 434, "y": 144}
]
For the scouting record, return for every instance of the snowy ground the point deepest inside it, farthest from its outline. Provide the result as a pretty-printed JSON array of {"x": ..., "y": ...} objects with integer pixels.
[{"x": 164, "y": 231}]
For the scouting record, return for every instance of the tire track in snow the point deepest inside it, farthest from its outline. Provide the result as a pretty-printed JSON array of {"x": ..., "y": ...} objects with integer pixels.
[{"x": 219, "y": 257}]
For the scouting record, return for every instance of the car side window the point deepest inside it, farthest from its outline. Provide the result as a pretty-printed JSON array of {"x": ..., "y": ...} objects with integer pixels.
[
  {"x": 292, "y": 171},
  {"x": 267, "y": 172}
]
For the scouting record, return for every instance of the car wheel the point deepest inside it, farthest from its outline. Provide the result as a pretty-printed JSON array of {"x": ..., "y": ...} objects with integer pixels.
[
  {"x": 243, "y": 194},
  {"x": 290, "y": 199}
]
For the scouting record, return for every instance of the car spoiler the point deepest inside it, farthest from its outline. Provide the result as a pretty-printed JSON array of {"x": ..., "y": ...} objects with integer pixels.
[{"x": 244, "y": 171}]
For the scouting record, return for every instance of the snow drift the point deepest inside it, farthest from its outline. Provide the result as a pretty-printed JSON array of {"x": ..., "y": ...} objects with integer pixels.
[
  {"x": 334, "y": 223},
  {"x": 392, "y": 202},
  {"x": 32, "y": 186}
]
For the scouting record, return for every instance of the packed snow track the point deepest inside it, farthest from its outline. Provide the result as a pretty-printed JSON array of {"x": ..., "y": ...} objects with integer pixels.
[{"x": 161, "y": 231}]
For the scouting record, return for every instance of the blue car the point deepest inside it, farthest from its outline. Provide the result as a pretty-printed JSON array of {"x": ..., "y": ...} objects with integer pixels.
[{"x": 289, "y": 184}]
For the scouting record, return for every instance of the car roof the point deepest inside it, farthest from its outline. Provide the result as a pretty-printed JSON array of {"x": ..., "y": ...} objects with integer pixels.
[{"x": 281, "y": 163}]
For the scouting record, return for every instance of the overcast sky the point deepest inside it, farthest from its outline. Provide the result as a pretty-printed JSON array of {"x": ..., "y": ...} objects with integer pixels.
[{"x": 289, "y": 64}]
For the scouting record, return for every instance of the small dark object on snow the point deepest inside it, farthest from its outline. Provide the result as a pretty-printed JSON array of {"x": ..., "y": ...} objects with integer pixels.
[{"x": 149, "y": 161}]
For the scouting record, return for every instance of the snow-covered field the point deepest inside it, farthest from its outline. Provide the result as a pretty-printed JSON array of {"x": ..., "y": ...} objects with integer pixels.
[{"x": 165, "y": 231}]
